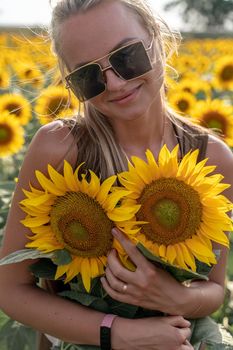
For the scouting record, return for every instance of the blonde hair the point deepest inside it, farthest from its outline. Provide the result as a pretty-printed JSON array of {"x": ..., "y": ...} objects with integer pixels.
[{"x": 96, "y": 142}]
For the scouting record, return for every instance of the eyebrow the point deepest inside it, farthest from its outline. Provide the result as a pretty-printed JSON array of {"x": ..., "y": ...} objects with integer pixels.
[{"x": 121, "y": 43}]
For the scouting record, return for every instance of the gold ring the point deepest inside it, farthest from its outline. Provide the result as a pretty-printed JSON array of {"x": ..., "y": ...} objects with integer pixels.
[{"x": 124, "y": 287}]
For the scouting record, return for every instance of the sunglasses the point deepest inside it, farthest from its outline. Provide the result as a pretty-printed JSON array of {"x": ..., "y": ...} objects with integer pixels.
[{"x": 128, "y": 62}]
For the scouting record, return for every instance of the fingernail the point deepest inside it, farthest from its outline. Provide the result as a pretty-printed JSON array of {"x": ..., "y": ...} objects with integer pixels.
[{"x": 115, "y": 233}]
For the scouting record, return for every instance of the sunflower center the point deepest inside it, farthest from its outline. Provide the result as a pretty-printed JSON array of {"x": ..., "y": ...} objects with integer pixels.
[
  {"x": 167, "y": 213},
  {"x": 227, "y": 73},
  {"x": 56, "y": 105},
  {"x": 77, "y": 231},
  {"x": 28, "y": 73},
  {"x": 13, "y": 108},
  {"x": 215, "y": 120},
  {"x": 173, "y": 209},
  {"x": 183, "y": 105},
  {"x": 5, "y": 134},
  {"x": 81, "y": 225}
]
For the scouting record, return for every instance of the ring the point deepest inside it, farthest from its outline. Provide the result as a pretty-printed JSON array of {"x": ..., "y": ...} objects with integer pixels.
[{"x": 124, "y": 287}]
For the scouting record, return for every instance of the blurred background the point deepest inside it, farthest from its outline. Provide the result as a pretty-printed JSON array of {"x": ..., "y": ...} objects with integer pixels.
[
  {"x": 184, "y": 15},
  {"x": 32, "y": 94}
]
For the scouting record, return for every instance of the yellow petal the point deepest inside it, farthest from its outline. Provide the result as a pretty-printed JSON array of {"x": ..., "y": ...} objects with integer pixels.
[
  {"x": 114, "y": 198},
  {"x": 34, "y": 222},
  {"x": 196, "y": 246},
  {"x": 46, "y": 199},
  {"x": 86, "y": 274},
  {"x": 71, "y": 179},
  {"x": 94, "y": 185},
  {"x": 142, "y": 170},
  {"x": 188, "y": 256},
  {"x": 179, "y": 257},
  {"x": 123, "y": 214},
  {"x": 74, "y": 269},
  {"x": 57, "y": 178},
  {"x": 162, "y": 251},
  {"x": 105, "y": 188},
  {"x": 94, "y": 267},
  {"x": 61, "y": 270},
  {"x": 171, "y": 253},
  {"x": 216, "y": 236},
  {"x": 47, "y": 184}
]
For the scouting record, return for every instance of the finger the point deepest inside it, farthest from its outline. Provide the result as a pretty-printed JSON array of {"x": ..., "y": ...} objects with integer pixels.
[
  {"x": 130, "y": 248},
  {"x": 124, "y": 298},
  {"x": 178, "y": 321},
  {"x": 186, "y": 332},
  {"x": 118, "y": 270},
  {"x": 187, "y": 346},
  {"x": 114, "y": 283}
]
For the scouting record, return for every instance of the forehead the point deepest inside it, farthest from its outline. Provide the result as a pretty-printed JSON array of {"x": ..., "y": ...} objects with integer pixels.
[{"x": 89, "y": 35}]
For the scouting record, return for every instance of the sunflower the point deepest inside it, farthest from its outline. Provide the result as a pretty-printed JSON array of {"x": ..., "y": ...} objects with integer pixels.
[
  {"x": 30, "y": 74},
  {"x": 76, "y": 216},
  {"x": 182, "y": 206},
  {"x": 215, "y": 114},
  {"x": 4, "y": 78},
  {"x": 181, "y": 101},
  {"x": 223, "y": 73},
  {"x": 53, "y": 101},
  {"x": 197, "y": 87},
  {"x": 17, "y": 105},
  {"x": 11, "y": 135}
]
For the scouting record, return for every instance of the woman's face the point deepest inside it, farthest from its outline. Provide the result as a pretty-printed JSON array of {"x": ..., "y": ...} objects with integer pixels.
[{"x": 91, "y": 35}]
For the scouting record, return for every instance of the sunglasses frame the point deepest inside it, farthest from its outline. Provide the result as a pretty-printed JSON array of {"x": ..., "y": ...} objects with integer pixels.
[{"x": 108, "y": 56}]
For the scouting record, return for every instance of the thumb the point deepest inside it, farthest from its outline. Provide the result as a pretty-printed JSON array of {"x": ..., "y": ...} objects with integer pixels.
[{"x": 178, "y": 321}]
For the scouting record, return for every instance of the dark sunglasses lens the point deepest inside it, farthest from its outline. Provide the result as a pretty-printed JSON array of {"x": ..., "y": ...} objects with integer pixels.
[
  {"x": 131, "y": 61},
  {"x": 87, "y": 82}
]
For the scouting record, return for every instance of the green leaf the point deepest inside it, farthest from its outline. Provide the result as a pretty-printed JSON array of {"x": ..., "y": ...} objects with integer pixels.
[
  {"x": 24, "y": 254},
  {"x": 86, "y": 300},
  {"x": 3, "y": 318},
  {"x": 67, "y": 346},
  {"x": 17, "y": 336},
  {"x": 61, "y": 257},
  {"x": 178, "y": 273},
  {"x": 121, "y": 309},
  {"x": 6, "y": 187},
  {"x": 212, "y": 334},
  {"x": 44, "y": 268}
]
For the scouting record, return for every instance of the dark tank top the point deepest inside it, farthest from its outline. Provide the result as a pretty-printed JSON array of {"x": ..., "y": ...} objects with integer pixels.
[{"x": 190, "y": 138}]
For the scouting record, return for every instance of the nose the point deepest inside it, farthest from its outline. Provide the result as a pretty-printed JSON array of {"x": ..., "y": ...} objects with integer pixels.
[{"x": 113, "y": 81}]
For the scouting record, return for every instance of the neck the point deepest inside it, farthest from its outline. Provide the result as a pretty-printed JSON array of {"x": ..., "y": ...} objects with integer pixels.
[{"x": 146, "y": 132}]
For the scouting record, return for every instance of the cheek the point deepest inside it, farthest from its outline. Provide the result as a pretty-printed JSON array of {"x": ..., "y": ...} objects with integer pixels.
[{"x": 156, "y": 78}]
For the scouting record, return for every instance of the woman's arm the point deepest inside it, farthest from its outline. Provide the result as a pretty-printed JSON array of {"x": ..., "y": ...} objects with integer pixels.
[
  {"x": 153, "y": 288},
  {"x": 20, "y": 298}
]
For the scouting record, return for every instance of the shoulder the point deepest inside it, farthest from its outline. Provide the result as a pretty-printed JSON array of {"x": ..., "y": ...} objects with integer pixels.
[
  {"x": 52, "y": 144},
  {"x": 219, "y": 154}
]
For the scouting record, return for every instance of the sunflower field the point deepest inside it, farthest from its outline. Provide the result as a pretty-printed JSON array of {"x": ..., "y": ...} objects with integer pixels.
[{"x": 32, "y": 94}]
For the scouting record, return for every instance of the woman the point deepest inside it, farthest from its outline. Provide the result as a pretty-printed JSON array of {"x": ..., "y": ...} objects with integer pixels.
[{"x": 125, "y": 114}]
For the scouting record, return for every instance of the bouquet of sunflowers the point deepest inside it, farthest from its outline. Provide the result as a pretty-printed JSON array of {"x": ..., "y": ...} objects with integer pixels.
[{"x": 172, "y": 210}]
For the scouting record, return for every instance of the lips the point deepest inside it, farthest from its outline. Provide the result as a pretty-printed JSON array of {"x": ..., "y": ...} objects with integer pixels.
[{"x": 125, "y": 95}]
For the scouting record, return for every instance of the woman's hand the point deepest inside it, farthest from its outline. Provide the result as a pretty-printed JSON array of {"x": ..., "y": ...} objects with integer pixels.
[
  {"x": 153, "y": 333},
  {"x": 148, "y": 286}
]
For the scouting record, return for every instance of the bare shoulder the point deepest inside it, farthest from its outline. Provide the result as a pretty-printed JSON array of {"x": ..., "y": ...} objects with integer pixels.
[
  {"x": 219, "y": 154},
  {"x": 52, "y": 144}
]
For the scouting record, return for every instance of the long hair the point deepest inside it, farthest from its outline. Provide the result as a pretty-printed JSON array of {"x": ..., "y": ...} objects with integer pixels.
[{"x": 94, "y": 135}]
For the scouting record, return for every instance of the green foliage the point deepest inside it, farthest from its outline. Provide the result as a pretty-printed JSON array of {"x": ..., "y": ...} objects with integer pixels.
[
  {"x": 179, "y": 274},
  {"x": 211, "y": 14},
  {"x": 14, "y": 335}
]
